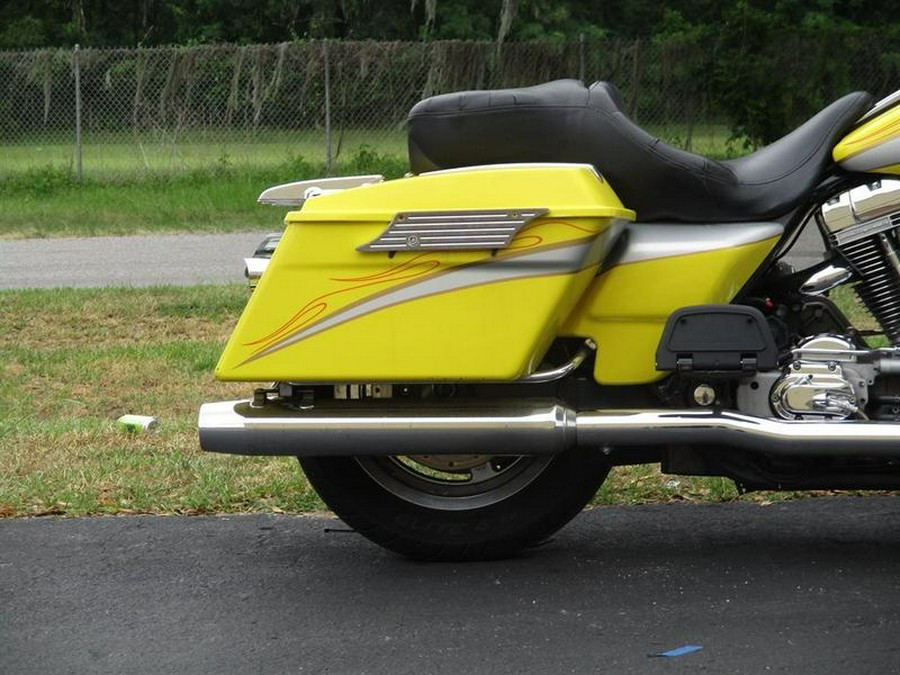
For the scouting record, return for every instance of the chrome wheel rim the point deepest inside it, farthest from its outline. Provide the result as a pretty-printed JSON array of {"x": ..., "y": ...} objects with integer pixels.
[{"x": 447, "y": 484}]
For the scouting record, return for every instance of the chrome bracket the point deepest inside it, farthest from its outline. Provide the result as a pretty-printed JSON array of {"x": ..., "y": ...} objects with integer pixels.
[{"x": 558, "y": 373}]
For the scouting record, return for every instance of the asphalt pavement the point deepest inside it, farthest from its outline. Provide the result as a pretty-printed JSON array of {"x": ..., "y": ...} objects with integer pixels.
[
  {"x": 810, "y": 586},
  {"x": 171, "y": 259},
  {"x": 167, "y": 259},
  {"x": 803, "y": 587}
]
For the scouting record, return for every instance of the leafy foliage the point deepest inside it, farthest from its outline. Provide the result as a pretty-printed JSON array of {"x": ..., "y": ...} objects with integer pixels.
[
  {"x": 756, "y": 71},
  {"x": 768, "y": 64},
  {"x": 45, "y": 23}
]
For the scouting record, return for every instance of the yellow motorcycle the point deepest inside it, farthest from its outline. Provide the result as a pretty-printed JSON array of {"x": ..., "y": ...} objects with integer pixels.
[{"x": 459, "y": 356}]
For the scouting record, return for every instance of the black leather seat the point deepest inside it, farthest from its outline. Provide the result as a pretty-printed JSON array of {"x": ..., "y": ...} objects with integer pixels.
[{"x": 564, "y": 121}]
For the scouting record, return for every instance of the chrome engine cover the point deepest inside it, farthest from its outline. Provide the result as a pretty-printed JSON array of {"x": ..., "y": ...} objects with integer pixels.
[
  {"x": 815, "y": 386},
  {"x": 814, "y": 390}
]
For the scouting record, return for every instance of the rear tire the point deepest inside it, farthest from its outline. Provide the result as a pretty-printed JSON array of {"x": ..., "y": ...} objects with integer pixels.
[{"x": 457, "y": 508}]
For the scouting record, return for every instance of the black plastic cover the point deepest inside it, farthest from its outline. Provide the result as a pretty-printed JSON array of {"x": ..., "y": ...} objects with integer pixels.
[{"x": 717, "y": 338}]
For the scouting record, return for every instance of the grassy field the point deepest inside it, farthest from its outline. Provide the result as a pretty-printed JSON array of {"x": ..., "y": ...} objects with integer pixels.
[
  {"x": 112, "y": 156},
  {"x": 193, "y": 184},
  {"x": 51, "y": 203},
  {"x": 73, "y": 361}
]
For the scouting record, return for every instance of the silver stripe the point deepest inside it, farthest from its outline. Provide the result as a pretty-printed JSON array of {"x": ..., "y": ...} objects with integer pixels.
[
  {"x": 457, "y": 230},
  {"x": 562, "y": 260},
  {"x": 665, "y": 240},
  {"x": 886, "y": 153}
]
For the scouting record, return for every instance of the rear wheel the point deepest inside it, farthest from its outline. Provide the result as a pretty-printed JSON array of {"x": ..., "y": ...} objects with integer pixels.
[{"x": 459, "y": 507}]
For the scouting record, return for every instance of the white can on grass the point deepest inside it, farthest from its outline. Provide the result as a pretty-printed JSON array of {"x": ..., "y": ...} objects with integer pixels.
[{"x": 137, "y": 423}]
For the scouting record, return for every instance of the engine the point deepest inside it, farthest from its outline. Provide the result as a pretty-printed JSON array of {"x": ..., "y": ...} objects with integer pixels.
[
  {"x": 829, "y": 377},
  {"x": 861, "y": 225}
]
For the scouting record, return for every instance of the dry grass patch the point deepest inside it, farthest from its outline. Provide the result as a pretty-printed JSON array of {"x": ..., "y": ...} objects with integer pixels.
[
  {"x": 73, "y": 361},
  {"x": 59, "y": 319}
]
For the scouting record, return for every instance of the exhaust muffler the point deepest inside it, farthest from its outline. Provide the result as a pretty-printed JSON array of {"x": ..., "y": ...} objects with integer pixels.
[
  {"x": 522, "y": 427},
  {"x": 517, "y": 427}
]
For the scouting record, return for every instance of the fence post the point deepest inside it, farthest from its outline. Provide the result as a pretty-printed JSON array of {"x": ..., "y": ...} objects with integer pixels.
[
  {"x": 581, "y": 57},
  {"x": 635, "y": 79},
  {"x": 78, "y": 149},
  {"x": 328, "y": 158}
]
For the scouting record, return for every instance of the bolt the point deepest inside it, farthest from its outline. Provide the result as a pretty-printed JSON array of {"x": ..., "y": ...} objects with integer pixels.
[{"x": 704, "y": 395}]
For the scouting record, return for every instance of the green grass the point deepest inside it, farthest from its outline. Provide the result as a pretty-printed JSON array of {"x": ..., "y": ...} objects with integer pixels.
[
  {"x": 51, "y": 203},
  {"x": 114, "y": 155},
  {"x": 196, "y": 183},
  {"x": 73, "y": 360}
]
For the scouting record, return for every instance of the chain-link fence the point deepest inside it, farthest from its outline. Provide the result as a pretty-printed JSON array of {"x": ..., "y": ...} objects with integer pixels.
[{"x": 165, "y": 109}]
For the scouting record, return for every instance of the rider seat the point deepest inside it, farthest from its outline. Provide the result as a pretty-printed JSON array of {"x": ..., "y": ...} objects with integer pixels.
[{"x": 564, "y": 121}]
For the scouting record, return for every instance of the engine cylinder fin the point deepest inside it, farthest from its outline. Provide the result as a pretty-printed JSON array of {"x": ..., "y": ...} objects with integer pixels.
[{"x": 862, "y": 224}]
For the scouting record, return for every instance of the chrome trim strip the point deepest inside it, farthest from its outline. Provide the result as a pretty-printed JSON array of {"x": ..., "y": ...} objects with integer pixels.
[
  {"x": 825, "y": 279},
  {"x": 452, "y": 230},
  {"x": 888, "y": 101},
  {"x": 651, "y": 241}
]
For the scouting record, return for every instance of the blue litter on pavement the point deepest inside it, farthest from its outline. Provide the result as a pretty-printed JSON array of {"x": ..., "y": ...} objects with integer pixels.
[{"x": 681, "y": 651}]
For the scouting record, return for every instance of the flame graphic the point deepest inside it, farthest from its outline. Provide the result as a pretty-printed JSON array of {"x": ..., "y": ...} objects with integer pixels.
[{"x": 417, "y": 266}]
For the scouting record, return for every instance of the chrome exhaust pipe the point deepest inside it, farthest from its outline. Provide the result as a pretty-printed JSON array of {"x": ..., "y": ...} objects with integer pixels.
[
  {"x": 731, "y": 429},
  {"x": 523, "y": 427},
  {"x": 517, "y": 427}
]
